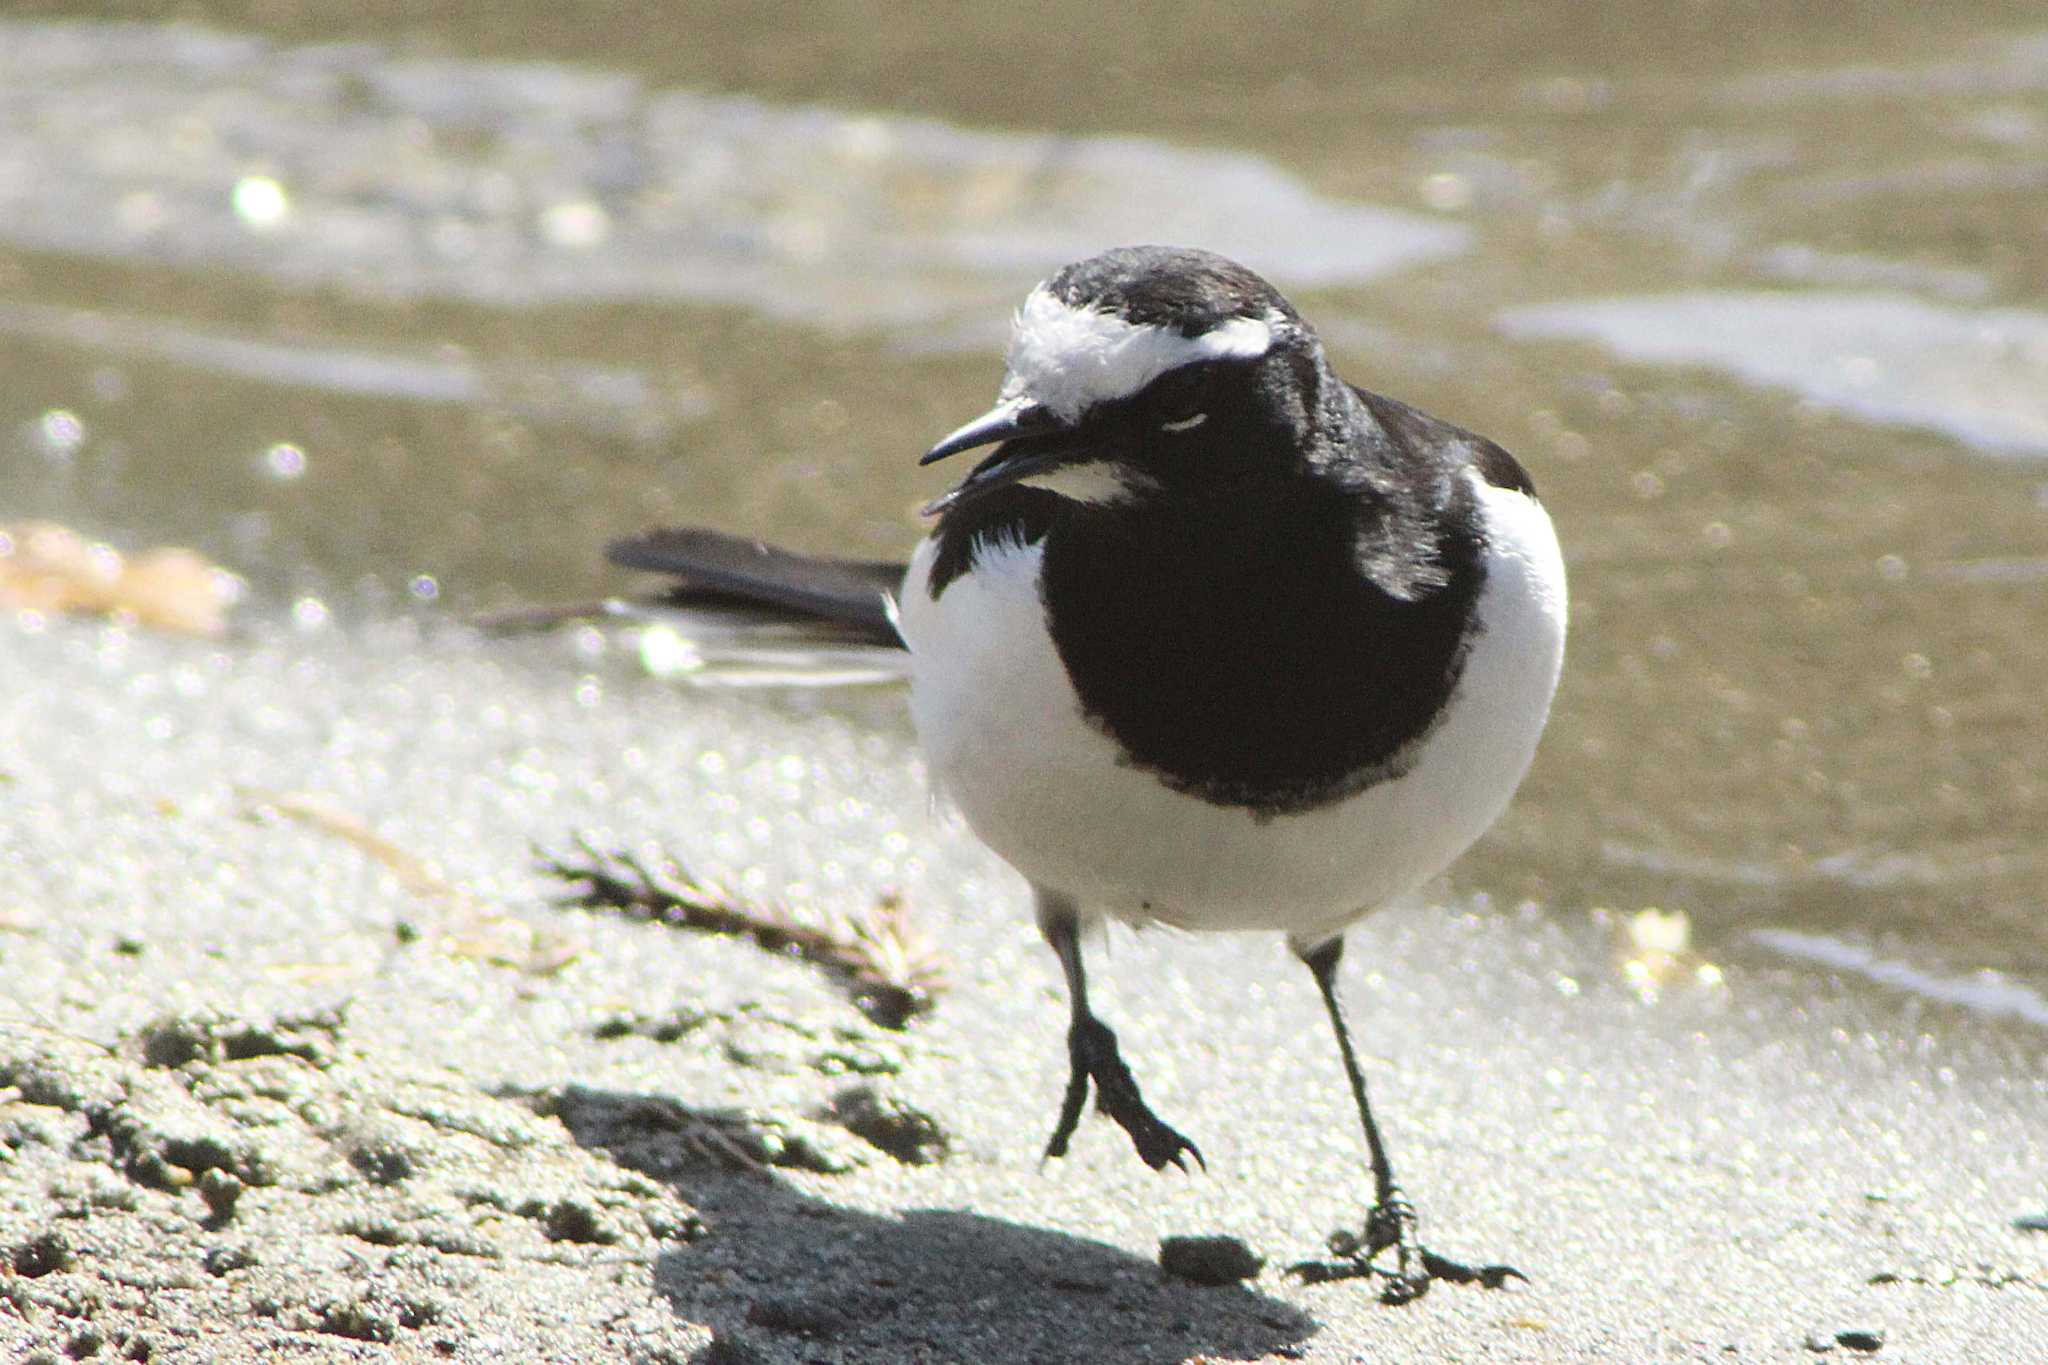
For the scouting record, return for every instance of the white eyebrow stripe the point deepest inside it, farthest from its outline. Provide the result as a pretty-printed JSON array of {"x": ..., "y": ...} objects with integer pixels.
[{"x": 1069, "y": 358}]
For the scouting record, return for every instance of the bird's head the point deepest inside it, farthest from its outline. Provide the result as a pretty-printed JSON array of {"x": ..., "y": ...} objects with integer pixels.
[{"x": 1146, "y": 371}]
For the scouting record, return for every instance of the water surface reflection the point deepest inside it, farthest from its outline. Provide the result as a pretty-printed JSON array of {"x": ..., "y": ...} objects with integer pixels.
[{"x": 1753, "y": 301}]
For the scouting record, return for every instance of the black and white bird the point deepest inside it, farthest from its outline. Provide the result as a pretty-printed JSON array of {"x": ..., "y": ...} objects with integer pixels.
[{"x": 1211, "y": 639}]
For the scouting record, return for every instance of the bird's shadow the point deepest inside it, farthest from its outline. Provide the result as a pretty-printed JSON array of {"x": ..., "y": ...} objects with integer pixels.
[{"x": 782, "y": 1274}]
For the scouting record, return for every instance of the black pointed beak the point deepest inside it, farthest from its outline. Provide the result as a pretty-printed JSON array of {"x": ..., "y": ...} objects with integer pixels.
[
  {"x": 1006, "y": 421},
  {"x": 1028, "y": 438}
]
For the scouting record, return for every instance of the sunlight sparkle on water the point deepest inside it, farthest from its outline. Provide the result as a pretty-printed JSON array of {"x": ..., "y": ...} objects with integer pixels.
[
  {"x": 285, "y": 460},
  {"x": 575, "y": 223},
  {"x": 260, "y": 202},
  {"x": 309, "y": 613},
  {"x": 61, "y": 433}
]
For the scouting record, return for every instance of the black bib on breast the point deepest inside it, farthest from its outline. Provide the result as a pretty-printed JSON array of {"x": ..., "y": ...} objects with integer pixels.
[{"x": 1242, "y": 654}]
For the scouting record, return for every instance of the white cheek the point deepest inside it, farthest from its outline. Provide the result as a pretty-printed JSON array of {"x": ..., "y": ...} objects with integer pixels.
[{"x": 1099, "y": 482}]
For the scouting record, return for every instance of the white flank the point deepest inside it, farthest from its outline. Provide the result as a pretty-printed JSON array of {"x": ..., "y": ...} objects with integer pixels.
[
  {"x": 1072, "y": 358},
  {"x": 1008, "y": 744}
]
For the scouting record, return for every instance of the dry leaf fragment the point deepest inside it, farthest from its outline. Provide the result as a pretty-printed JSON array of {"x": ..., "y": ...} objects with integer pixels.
[{"x": 50, "y": 568}]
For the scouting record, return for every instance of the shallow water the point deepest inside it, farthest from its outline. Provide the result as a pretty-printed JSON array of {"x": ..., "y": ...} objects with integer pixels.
[{"x": 400, "y": 308}]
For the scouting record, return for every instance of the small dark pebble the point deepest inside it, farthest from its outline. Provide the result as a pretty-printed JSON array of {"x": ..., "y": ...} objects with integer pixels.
[
  {"x": 43, "y": 1254},
  {"x": 405, "y": 931},
  {"x": 220, "y": 1189},
  {"x": 383, "y": 1158},
  {"x": 223, "y": 1260},
  {"x": 892, "y": 1007},
  {"x": 359, "y": 1321},
  {"x": 1860, "y": 1339},
  {"x": 172, "y": 1043},
  {"x": 910, "y": 1135},
  {"x": 572, "y": 1220},
  {"x": 2031, "y": 1222},
  {"x": 1209, "y": 1260},
  {"x": 129, "y": 947}
]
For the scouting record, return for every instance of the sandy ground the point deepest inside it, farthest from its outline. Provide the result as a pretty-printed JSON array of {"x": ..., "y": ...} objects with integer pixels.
[{"x": 302, "y": 1058}]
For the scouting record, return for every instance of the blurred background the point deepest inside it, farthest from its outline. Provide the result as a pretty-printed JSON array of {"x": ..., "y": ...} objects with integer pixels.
[{"x": 406, "y": 308}]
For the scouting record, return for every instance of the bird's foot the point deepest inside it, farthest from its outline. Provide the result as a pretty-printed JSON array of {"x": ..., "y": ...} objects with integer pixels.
[
  {"x": 1392, "y": 1225},
  {"x": 1092, "y": 1050}
]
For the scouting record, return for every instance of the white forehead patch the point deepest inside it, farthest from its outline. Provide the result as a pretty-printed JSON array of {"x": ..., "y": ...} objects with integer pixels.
[{"x": 1070, "y": 358}]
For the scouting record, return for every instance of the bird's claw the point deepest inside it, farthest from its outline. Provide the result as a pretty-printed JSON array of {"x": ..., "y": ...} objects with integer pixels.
[
  {"x": 1094, "y": 1056},
  {"x": 1393, "y": 1224}
]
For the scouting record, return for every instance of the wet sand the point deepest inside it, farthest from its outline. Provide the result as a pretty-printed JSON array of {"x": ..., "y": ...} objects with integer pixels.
[{"x": 302, "y": 1057}]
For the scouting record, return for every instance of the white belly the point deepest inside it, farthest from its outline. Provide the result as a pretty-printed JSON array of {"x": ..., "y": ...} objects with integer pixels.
[{"x": 1007, "y": 742}]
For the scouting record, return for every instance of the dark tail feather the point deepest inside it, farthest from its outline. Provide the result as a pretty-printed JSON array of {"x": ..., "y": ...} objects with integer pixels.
[{"x": 716, "y": 569}]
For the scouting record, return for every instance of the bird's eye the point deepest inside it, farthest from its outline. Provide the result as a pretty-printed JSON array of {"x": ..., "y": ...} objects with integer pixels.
[{"x": 1179, "y": 402}]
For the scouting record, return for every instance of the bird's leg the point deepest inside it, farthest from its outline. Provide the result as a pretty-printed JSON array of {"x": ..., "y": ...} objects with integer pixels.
[
  {"x": 1391, "y": 1223},
  {"x": 1093, "y": 1055}
]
